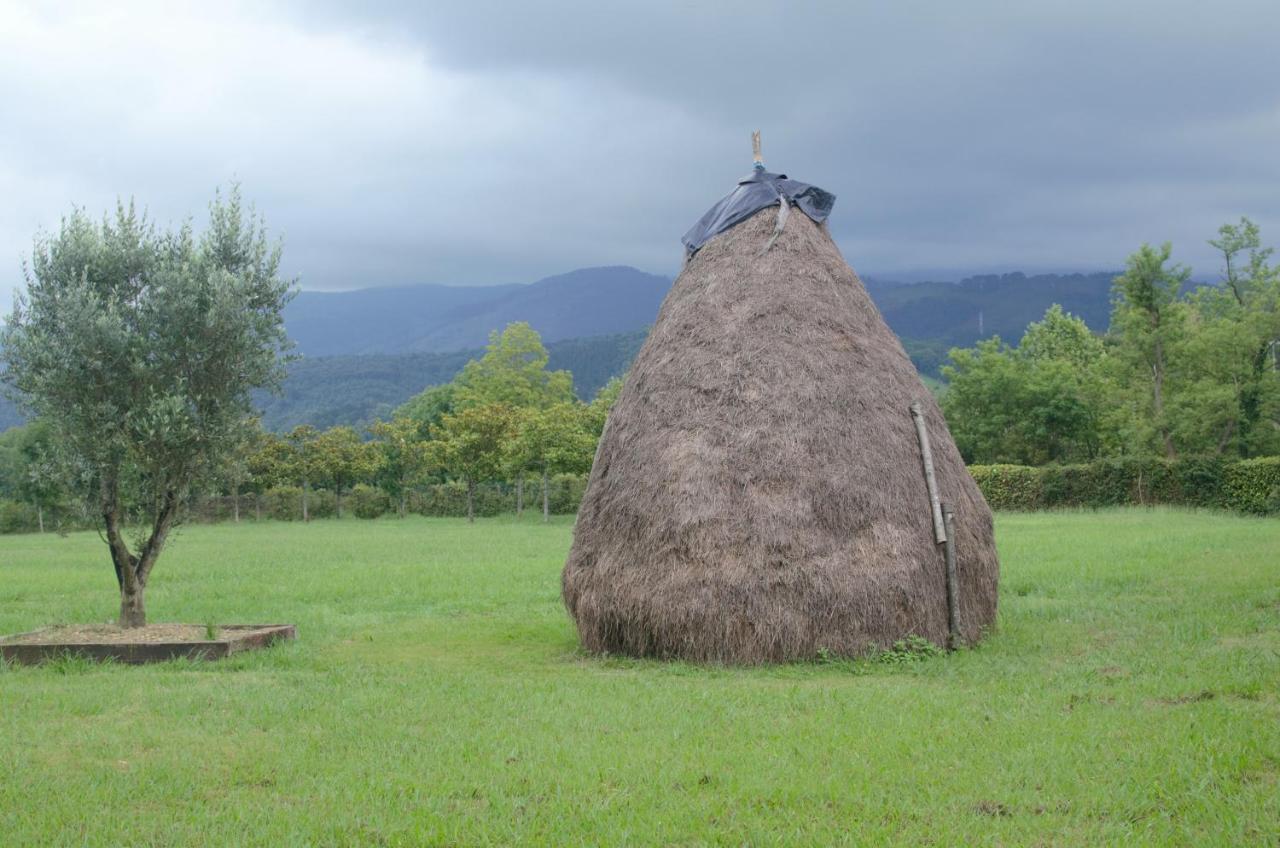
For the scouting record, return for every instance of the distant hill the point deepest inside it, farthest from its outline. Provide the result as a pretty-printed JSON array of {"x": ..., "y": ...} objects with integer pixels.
[
  {"x": 932, "y": 318},
  {"x": 431, "y": 319},
  {"x": 980, "y": 307},
  {"x": 368, "y": 351},
  {"x": 381, "y": 320}
]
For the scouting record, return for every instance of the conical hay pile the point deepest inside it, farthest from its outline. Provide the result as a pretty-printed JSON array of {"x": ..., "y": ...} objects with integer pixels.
[{"x": 758, "y": 494}]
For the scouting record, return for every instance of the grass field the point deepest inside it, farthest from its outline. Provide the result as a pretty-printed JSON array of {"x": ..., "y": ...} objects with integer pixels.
[{"x": 1131, "y": 695}]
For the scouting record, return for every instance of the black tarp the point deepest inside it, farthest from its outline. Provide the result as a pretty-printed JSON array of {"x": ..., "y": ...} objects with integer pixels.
[{"x": 755, "y": 192}]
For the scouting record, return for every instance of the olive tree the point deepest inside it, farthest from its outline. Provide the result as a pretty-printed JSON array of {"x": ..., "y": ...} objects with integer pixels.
[{"x": 140, "y": 348}]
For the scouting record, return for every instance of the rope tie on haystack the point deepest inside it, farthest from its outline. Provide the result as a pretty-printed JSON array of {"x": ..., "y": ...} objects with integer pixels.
[{"x": 784, "y": 206}]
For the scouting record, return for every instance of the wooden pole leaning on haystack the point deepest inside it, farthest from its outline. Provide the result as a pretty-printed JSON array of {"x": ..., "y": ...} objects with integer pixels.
[
  {"x": 942, "y": 527},
  {"x": 939, "y": 531},
  {"x": 953, "y": 580}
]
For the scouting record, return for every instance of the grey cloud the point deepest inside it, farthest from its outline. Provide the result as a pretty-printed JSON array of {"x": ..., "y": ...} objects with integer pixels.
[{"x": 491, "y": 142}]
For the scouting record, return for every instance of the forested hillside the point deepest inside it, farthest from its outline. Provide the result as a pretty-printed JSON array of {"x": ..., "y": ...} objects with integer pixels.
[
  {"x": 329, "y": 390},
  {"x": 367, "y": 351},
  {"x": 932, "y": 318}
]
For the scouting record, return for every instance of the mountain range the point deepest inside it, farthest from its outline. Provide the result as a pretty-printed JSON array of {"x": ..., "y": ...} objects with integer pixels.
[
  {"x": 366, "y": 351},
  {"x": 436, "y": 319}
]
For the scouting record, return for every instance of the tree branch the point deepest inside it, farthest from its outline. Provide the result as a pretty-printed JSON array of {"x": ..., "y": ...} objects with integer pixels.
[
  {"x": 124, "y": 561},
  {"x": 160, "y": 528}
]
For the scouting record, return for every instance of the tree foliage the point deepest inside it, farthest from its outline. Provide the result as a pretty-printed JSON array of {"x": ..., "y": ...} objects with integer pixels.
[
  {"x": 403, "y": 457},
  {"x": 430, "y": 406},
  {"x": 513, "y": 371},
  {"x": 471, "y": 444},
  {"x": 343, "y": 459},
  {"x": 1036, "y": 403},
  {"x": 1180, "y": 372},
  {"x": 554, "y": 440}
]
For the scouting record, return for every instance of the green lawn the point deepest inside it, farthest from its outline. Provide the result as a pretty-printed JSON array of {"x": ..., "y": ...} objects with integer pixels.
[{"x": 1131, "y": 695}]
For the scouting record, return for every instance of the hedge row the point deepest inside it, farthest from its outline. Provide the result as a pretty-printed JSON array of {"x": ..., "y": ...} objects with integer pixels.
[{"x": 1249, "y": 486}]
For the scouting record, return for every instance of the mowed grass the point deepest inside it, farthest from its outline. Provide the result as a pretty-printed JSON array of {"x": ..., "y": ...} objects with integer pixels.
[{"x": 435, "y": 695}]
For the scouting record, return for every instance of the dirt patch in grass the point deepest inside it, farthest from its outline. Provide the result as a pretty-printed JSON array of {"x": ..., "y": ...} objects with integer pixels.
[
  {"x": 992, "y": 808},
  {"x": 1193, "y": 698}
]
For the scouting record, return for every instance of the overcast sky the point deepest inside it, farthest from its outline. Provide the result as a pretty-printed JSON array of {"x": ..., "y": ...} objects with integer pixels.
[{"x": 484, "y": 142}]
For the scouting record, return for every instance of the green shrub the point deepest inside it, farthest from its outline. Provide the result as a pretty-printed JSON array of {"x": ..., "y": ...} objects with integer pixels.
[
  {"x": 1014, "y": 487},
  {"x": 17, "y": 517},
  {"x": 368, "y": 502},
  {"x": 1253, "y": 485},
  {"x": 283, "y": 503},
  {"x": 1199, "y": 481},
  {"x": 565, "y": 493},
  {"x": 1248, "y": 486},
  {"x": 450, "y": 499},
  {"x": 322, "y": 504}
]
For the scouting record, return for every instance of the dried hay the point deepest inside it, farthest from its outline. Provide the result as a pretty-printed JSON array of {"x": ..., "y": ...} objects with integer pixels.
[{"x": 758, "y": 494}]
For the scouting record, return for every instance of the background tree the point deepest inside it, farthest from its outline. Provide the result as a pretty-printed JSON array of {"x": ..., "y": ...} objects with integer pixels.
[
  {"x": 344, "y": 459},
  {"x": 29, "y": 469},
  {"x": 513, "y": 371},
  {"x": 305, "y": 462},
  {"x": 271, "y": 463},
  {"x": 1042, "y": 401},
  {"x": 1234, "y": 351},
  {"x": 602, "y": 404},
  {"x": 404, "y": 457},
  {"x": 236, "y": 470},
  {"x": 140, "y": 349},
  {"x": 555, "y": 440},
  {"x": 12, "y": 466},
  {"x": 1147, "y": 323},
  {"x": 471, "y": 445},
  {"x": 429, "y": 406}
]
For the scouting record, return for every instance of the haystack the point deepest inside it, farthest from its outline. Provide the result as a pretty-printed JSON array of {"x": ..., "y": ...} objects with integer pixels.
[{"x": 758, "y": 494}]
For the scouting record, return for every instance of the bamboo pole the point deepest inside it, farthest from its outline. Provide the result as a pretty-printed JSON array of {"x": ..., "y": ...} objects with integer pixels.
[
  {"x": 953, "y": 591},
  {"x": 926, "y": 454}
]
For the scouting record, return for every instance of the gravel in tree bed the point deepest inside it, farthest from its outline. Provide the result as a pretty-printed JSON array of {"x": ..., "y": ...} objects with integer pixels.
[{"x": 111, "y": 634}]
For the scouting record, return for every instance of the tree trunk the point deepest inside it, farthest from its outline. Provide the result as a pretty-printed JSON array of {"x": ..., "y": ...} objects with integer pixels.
[
  {"x": 132, "y": 572},
  {"x": 403, "y": 496},
  {"x": 337, "y": 499},
  {"x": 471, "y": 501},
  {"x": 519, "y": 495},
  {"x": 133, "y": 612},
  {"x": 40, "y": 516},
  {"x": 257, "y": 506},
  {"x": 1157, "y": 399},
  {"x": 1225, "y": 439},
  {"x": 1251, "y": 399},
  {"x": 235, "y": 502},
  {"x": 546, "y": 505},
  {"x": 306, "y": 491}
]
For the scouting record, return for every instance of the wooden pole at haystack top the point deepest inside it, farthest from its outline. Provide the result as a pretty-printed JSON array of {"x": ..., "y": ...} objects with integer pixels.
[{"x": 757, "y": 157}]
